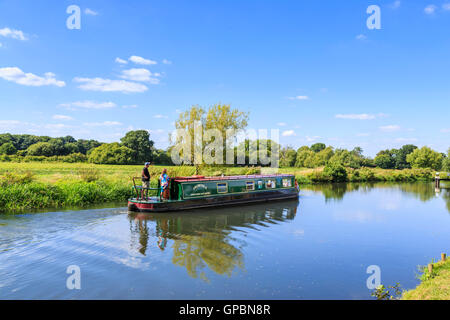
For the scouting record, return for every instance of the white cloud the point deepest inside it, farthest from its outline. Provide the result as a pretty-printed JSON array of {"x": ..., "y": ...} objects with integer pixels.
[
  {"x": 16, "y": 75},
  {"x": 446, "y": 130},
  {"x": 62, "y": 117},
  {"x": 89, "y": 105},
  {"x": 446, "y": 6},
  {"x": 1, "y": 44},
  {"x": 395, "y": 4},
  {"x": 282, "y": 124},
  {"x": 430, "y": 9},
  {"x": 362, "y": 116},
  {"x": 299, "y": 98},
  {"x": 90, "y": 12},
  {"x": 108, "y": 85},
  {"x": 121, "y": 61},
  {"x": 57, "y": 126},
  {"x": 9, "y": 124},
  {"x": 311, "y": 139},
  {"x": 363, "y": 134},
  {"x": 159, "y": 116},
  {"x": 288, "y": 133},
  {"x": 14, "y": 34},
  {"x": 102, "y": 124},
  {"x": 390, "y": 128},
  {"x": 361, "y": 37},
  {"x": 132, "y": 106},
  {"x": 165, "y": 61},
  {"x": 406, "y": 140},
  {"x": 140, "y": 75},
  {"x": 140, "y": 60}
]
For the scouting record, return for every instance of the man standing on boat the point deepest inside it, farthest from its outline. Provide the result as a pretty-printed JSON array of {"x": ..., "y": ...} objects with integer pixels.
[{"x": 145, "y": 181}]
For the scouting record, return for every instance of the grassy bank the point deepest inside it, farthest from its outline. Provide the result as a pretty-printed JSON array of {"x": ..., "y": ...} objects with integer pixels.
[
  {"x": 41, "y": 185},
  {"x": 434, "y": 286}
]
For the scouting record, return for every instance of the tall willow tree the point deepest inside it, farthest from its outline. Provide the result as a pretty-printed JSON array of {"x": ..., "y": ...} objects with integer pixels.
[{"x": 200, "y": 128}]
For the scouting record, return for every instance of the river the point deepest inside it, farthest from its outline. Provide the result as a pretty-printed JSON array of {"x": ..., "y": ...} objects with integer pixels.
[{"x": 316, "y": 248}]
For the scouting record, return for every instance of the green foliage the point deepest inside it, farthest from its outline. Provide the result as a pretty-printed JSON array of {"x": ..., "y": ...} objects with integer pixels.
[
  {"x": 385, "y": 159},
  {"x": 446, "y": 162},
  {"x": 45, "y": 149},
  {"x": 317, "y": 147},
  {"x": 219, "y": 117},
  {"x": 382, "y": 293},
  {"x": 111, "y": 153},
  {"x": 287, "y": 157},
  {"x": 336, "y": 172},
  {"x": 425, "y": 158},
  {"x": 8, "y": 148},
  {"x": 141, "y": 145},
  {"x": 89, "y": 174},
  {"x": 10, "y": 178}
]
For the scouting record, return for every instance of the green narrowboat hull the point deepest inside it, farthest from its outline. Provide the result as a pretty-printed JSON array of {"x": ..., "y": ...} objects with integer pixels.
[
  {"x": 208, "y": 202},
  {"x": 188, "y": 193}
]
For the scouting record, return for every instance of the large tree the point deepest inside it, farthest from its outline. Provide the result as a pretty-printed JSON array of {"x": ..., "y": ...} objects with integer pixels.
[
  {"x": 141, "y": 145},
  {"x": 219, "y": 120},
  {"x": 425, "y": 158}
]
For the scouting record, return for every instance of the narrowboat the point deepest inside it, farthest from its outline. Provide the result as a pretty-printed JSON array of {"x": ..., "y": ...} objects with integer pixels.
[{"x": 202, "y": 192}]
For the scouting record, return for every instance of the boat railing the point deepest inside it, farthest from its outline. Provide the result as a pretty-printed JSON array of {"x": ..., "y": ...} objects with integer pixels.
[{"x": 139, "y": 190}]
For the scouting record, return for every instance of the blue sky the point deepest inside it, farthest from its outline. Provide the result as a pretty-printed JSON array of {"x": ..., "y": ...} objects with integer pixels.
[{"x": 309, "y": 68}]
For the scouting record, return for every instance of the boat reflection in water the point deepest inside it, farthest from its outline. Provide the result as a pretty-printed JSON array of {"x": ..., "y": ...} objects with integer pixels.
[{"x": 207, "y": 239}]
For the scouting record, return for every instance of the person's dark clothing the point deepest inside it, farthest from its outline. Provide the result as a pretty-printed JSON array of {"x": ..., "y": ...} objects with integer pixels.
[{"x": 145, "y": 174}]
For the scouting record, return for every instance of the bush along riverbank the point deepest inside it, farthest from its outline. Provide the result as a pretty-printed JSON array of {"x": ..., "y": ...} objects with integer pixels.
[
  {"x": 338, "y": 173},
  {"x": 435, "y": 283}
]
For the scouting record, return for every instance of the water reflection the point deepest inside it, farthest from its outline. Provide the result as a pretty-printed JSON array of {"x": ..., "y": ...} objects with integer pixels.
[
  {"x": 420, "y": 190},
  {"x": 202, "y": 240}
]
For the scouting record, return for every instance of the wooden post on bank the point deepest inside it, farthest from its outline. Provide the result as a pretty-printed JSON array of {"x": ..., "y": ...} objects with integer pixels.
[
  {"x": 443, "y": 257},
  {"x": 430, "y": 268},
  {"x": 437, "y": 181}
]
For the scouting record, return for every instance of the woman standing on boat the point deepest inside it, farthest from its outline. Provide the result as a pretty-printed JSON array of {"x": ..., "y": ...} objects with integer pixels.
[{"x": 164, "y": 183}]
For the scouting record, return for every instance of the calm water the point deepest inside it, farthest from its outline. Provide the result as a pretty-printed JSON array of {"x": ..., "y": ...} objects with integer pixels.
[{"x": 316, "y": 248}]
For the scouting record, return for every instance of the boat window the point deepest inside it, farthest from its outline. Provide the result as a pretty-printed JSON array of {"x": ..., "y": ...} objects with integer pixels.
[
  {"x": 270, "y": 184},
  {"x": 287, "y": 183},
  {"x": 222, "y": 187},
  {"x": 250, "y": 185}
]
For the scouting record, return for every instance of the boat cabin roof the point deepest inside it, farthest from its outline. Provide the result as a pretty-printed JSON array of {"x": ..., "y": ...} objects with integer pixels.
[{"x": 242, "y": 177}]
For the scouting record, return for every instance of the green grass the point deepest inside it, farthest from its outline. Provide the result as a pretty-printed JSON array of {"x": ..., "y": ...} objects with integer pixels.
[{"x": 435, "y": 286}]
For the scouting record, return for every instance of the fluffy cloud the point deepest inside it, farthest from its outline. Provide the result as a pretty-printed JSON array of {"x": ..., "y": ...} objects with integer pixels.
[
  {"x": 430, "y": 9},
  {"x": 390, "y": 128},
  {"x": 89, "y": 105},
  {"x": 102, "y": 124},
  {"x": 121, "y": 61},
  {"x": 90, "y": 12},
  {"x": 165, "y": 61},
  {"x": 288, "y": 133},
  {"x": 61, "y": 117},
  {"x": 16, "y": 75},
  {"x": 140, "y": 75},
  {"x": 361, "y": 37},
  {"x": 140, "y": 60},
  {"x": 299, "y": 98},
  {"x": 14, "y": 34},
  {"x": 108, "y": 85},
  {"x": 159, "y": 116},
  {"x": 362, "y": 116}
]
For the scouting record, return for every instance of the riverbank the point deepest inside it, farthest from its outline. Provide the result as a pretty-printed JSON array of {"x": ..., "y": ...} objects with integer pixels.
[
  {"x": 434, "y": 285},
  {"x": 35, "y": 185}
]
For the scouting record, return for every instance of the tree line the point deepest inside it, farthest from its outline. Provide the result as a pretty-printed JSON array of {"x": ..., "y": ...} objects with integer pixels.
[{"x": 136, "y": 147}]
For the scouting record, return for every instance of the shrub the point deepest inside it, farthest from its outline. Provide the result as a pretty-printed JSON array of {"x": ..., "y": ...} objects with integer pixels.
[
  {"x": 336, "y": 172},
  {"x": 89, "y": 174}
]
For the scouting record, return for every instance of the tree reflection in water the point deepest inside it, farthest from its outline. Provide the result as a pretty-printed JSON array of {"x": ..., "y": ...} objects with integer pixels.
[
  {"x": 424, "y": 191},
  {"x": 204, "y": 239}
]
